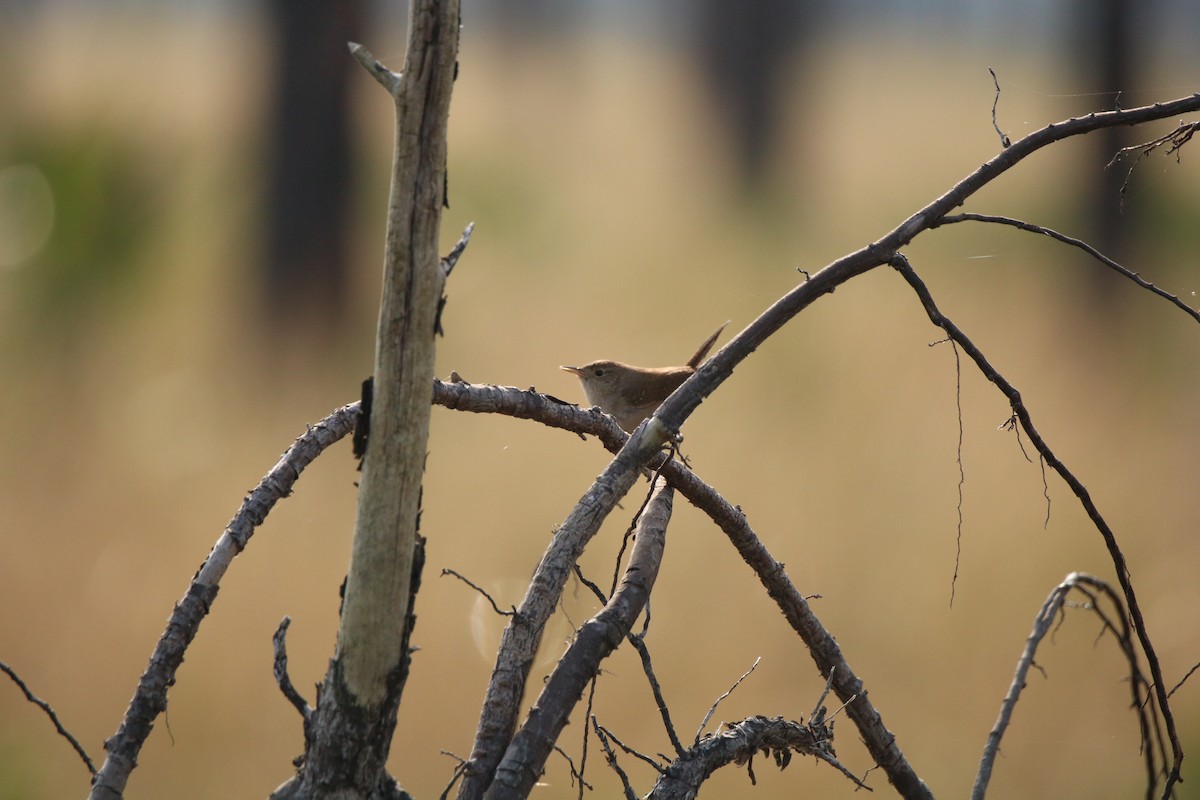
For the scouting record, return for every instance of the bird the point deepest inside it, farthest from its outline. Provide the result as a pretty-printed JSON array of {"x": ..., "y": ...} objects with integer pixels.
[{"x": 631, "y": 394}]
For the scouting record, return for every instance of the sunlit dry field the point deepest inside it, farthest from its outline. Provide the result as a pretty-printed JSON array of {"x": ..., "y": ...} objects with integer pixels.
[{"x": 608, "y": 225}]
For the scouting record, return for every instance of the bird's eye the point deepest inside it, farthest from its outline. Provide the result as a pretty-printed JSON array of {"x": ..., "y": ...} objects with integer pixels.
[{"x": 599, "y": 373}]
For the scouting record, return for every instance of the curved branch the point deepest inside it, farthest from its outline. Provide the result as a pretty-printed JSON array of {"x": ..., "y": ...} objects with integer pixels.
[
  {"x": 596, "y": 640},
  {"x": 1050, "y": 611},
  {"x": 824, "y": 649},
  {"x": 520, "y": 639},
  {"x": 900, "y": 263},
  {"x": 150, "y": 698},
  {"x": 679, "y": 406},
  {"x": 1124, "y": 272},
  {"x": 738, "y": 744},
  {"x": 49, "y": 711}
]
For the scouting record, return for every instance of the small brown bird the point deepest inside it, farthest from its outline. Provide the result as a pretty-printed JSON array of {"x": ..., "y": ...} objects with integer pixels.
[{"x": 631, "y": 394}]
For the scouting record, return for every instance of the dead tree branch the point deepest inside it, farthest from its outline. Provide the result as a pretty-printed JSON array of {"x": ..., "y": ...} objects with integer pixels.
[
  {"x": 282, "y": 679},
  {"x": 1124, "y": 272},
  {"x": 150, "y": 698},
  {"x": 713, "y": 708},
  {"x": 611, "y": 757},
  {"x": 679, "y": 406},
  {"x": 600, "y": 636},
  {"x": 378, "y": 602},
  {"x": 738, "y": 744},
  {"x": 822, "y": 647},
  {"x": 482, "y": 592},
  {"x": 1050, "y": 611},
  {"x": 49, "y": 711},
  {"x": 638, "y": 641},
  {"x": 1080, "y": 491},
  {"x": 1173, "y": 142},
  {"x": 519, "y": 642}
]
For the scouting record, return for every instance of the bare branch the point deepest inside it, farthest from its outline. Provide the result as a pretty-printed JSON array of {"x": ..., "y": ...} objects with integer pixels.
[
  {"x": 481, "y": 591},
  {"x": 1004, "y": 140},
  {"x": 519, "y": 642},
  {"x": 508, "y": 678},
  {"x": 150, "y": 698},
  {"x": 738, "y": 744},
  {"x": 825, "y": 651},
  {"x": 639, "y": 644},
  {"x": 387, "y": 79},
  {"x": 451, "y": 258},
  {"x": 1183, "y": 680},
  {"x": 1173, "y": 141},
  {"x": 459, "y": 769},
  {"x": 611, "y": 757},
  {"x": 640, "y": 756},
  {"x": 526, "y": 755},
  {"x": 44, "y": 706},
  {"x": 1082, "y": 245},
  {"x": 1051, "y": 610},
  {"x": 684, "y": 400},
  {"x": 900, "y": 263},
  {"x": 281, "y": 674},
  {"x": 713, "y": 709}
]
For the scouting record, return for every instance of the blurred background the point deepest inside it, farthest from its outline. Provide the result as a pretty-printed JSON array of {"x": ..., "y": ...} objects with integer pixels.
[{"x": 192, "y": 199}]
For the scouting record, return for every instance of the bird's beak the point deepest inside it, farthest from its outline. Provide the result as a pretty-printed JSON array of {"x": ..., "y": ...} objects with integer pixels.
[{"x": 574, "y": 370}]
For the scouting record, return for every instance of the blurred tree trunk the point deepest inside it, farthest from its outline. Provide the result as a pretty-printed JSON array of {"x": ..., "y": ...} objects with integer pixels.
[
  {"x": 1107, "y": 49},
  {"x": 743, "y": 50},
  {"x": 304, "y": 271}
]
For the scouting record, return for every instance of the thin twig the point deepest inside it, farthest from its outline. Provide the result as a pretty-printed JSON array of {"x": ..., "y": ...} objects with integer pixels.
[
  {"x": 575, "y": 774},
  {"x": 459, "y": 769},
  {"x": 281, "y": 673},
  {"x": 1012, "y": 425},
  {"x": 1176, "y": 139},
  {"x": 591, "y": 586},
  {"x": 583, "y": 755},
  {"x": 818, "y": 712},
  {"x": 639, "y": 644},
  {"x": 643, "y": 757},
  {"x": 150, "y": 697},
  {"x": 1183, "y": 680},
  {"x": 1123, "y": 271},
  {"x": 962, "y": 474},
  {"x": 1004, "y": 140},
  {"x": 713, "y": 709},
  {"x": 388, "y": 79},
  {"x": 476, "y": 587},
  {"x": 1116, "y": 555},
  {"x": 44, "y": 706},
  {"x": 1045, "y": 492},
  {"x": 793, "y": 604},
  {"x": 629, "y": 531},
  {"x": 1051, "y": 616},
  {"x": 611, "y": 757}
]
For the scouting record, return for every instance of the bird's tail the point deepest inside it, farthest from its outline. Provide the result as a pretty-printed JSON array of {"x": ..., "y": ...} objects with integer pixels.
[{"x": 695, "y": 361}]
